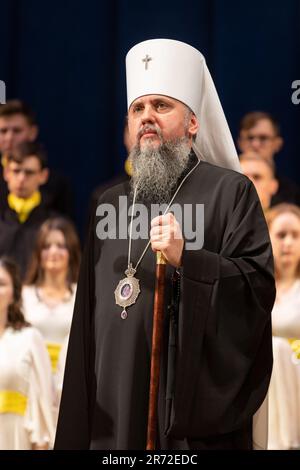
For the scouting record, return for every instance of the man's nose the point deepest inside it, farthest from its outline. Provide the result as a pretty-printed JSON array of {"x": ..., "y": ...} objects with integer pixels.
[
  {"x": 21, "y": 176},
  {"x": 9, "y": 135},
  {"x": 148, "y": 115},
  {"x": 255, "y": 143}
]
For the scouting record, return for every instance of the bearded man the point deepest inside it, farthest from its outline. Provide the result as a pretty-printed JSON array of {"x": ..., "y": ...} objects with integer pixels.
[{"x": 216, "y": 356}]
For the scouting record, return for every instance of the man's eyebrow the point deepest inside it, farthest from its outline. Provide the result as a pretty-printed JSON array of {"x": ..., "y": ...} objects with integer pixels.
[
  {"x": 137, "y": 103},
  {"x": 162, "y": 99}
]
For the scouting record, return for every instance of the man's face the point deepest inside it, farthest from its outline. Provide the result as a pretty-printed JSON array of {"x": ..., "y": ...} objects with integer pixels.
[
  {"x": 23, "y": 179},
  {"x": 261, "y": 138},
  {"x": 153, "y": 119},
  {"x": 15, "y": 130},
  {"x": 262, "y": 177}
]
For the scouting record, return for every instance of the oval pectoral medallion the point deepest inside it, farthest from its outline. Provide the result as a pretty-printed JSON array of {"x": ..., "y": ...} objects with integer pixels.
[{"x": 127, "y": 291}]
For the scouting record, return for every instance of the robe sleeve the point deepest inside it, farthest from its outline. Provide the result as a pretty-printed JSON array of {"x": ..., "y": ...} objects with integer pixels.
[
  {"x": 39, "y": 417},
  {"x": 224, "y": 347},
  {"x": 74, "y": 421}
]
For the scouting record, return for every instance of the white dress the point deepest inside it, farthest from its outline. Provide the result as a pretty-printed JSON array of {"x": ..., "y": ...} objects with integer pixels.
[
  {"x": 26, "y": 390},
  {"x": 59, "y": 376},
  {"x": 53, "y": 321},
  {"x": 284, "y": 391}
]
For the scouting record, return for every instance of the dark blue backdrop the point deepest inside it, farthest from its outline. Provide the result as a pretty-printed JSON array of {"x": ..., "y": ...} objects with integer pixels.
[{"x": 66, "y": 59}]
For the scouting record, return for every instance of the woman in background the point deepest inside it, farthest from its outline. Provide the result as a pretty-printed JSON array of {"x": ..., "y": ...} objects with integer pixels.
[
  {"x": 50, "y": 289},
  {"x": 26, "y": 391},
  {"x": 284, "y": 392}
]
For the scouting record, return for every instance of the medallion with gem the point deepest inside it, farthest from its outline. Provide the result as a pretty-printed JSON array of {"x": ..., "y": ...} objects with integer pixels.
[{"x": 127, "y": 290}]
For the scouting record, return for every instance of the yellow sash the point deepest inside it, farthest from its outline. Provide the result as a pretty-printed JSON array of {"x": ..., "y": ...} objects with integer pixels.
[
  {"x": 53, "y": 351},
  {"x": 12, "y": 402},
  {"x": 23, "y": 207},
  {"x": 295, "y": 345}
]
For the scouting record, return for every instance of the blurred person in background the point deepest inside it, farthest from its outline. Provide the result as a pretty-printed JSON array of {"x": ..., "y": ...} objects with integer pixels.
[
  {"x": 26, "y": 389},
  {"x": 262, "y": 174},
  {"x": 25, "y": 209},
  {"x": 18, "y": 125},
  {"x": 284, "y": 392},
  {"x": 49, "y": 293},
  {"x": 260, "y": 132}
]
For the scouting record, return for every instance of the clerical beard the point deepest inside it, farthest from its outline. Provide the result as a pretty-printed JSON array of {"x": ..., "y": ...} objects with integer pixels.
[{"x": 156, "y": 170}]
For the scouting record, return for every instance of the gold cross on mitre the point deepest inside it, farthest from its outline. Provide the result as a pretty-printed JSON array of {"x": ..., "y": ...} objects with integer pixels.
[{"x": 146, "y": 60}]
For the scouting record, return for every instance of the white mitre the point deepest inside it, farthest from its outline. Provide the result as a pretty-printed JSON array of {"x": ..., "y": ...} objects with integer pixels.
[{"x": 178, "y": 70}]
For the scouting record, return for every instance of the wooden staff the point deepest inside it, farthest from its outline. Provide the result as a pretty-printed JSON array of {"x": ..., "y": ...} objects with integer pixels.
[{"x": 156, "y": 349}]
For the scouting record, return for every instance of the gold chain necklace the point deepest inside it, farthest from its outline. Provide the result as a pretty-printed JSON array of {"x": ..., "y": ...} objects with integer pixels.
[{"x": 128, "y": 289}]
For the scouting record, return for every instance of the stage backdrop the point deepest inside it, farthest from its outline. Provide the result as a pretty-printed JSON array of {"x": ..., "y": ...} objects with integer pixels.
[{"x": 66, "y": 59}]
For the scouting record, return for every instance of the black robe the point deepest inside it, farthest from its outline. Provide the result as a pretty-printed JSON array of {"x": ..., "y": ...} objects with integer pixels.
[{"x": 217, "y": 352}]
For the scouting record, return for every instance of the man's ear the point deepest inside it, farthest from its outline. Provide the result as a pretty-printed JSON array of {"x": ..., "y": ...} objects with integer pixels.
[
  {"x": 193, "y": 125},
  {"x": 278, "y": 143},
  {"x": 44, "y": 176},
  {"x": 33, "y": 133},
  {"x": 274, "y": 186}
]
